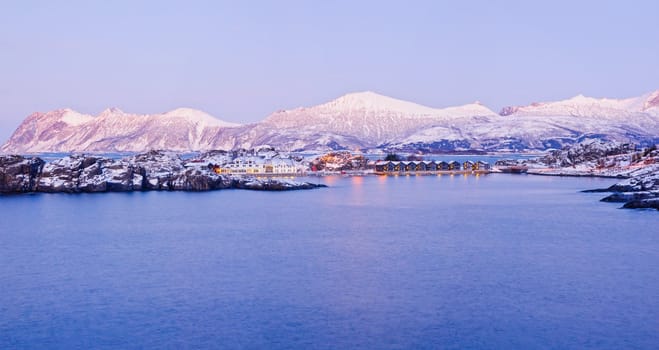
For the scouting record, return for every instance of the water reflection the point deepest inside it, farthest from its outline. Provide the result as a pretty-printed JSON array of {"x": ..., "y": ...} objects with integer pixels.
[
  {"x": 371, "y": 262},
  {"x": 357, "y": 180},
  {"x": 357, "y": 197},
  {"x": 330, "y": 180}
]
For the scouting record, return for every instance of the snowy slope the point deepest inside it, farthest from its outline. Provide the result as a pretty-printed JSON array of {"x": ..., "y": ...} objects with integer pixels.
[
  {"x": 546, "y": 125},
  {"x": 582, "y": 106},
  {"x": 357, "y": 120},
  {"x": 114, "y": 130},
  {"x": 363, "y": 119}
]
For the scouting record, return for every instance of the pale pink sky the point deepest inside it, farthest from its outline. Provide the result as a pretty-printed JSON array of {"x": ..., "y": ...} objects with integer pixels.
[{"x": 240, "y": 61}]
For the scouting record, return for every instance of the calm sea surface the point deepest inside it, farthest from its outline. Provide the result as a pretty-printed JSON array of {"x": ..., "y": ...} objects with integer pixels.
[{"x": 493, "y": 262}]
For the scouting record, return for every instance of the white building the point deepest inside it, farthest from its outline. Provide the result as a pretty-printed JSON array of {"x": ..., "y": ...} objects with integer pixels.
[{"x": 259, "y": 165}]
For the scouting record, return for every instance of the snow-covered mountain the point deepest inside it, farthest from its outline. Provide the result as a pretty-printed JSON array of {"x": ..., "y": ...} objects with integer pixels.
[
  {"x": 66, "y": 130},
  {"x": 363, "y": 119},
  {"x": 581, "y": 106},
  {"x": 357, "y": 120},
  {"x": 553, "y": 124}
]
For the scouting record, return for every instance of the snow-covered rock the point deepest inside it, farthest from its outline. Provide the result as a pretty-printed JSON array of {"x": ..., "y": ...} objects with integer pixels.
[
  {"x": 638, "y": 192},
  {"x": 272, "y": 184},
  {"x": 19, "y": 174},
  {"x": 586, "y": 151},
  {"x": 339, "y": 161},
  {"x": 151, "y": 171},
  {"x": 639, "y": 189}
]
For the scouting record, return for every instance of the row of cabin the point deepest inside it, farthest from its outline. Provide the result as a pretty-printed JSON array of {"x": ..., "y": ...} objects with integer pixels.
[
  {"x": 258, "y": 165},
  {"x": 385, "y": 166}
]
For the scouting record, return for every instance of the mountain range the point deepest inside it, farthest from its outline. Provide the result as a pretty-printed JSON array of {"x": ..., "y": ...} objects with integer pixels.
[{"x": 364, "y": 120}]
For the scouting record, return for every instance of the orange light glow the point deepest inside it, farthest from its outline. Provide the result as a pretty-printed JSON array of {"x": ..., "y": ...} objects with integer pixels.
[{"x": 330, "y": 180}]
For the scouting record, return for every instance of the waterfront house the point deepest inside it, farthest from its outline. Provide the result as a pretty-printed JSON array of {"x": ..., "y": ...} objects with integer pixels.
[
  {"x": 391, "y": 167},
  {"x": 410, "y": 166},
  {"x": 382, "y": 166},
  {"x": 246, "y": 165},
  {"x": 481, "y": 165},
  {"x": 283, "y": 166},
  {"x": 453, "y": 165},
  {"x": 387, "y": 166},
  {"x": 259, "y": 165}
]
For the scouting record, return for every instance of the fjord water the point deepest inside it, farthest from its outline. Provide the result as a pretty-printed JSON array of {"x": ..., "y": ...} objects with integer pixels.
[{"x": 496, "y": 261}]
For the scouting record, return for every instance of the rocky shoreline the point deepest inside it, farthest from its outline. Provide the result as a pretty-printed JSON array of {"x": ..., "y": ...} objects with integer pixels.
[
  {"x": 595, "y": 158},
  {"x": 638, "y": 192},
  {"x": 560, "y": 173},
  {"x": 151, "y": 171}
]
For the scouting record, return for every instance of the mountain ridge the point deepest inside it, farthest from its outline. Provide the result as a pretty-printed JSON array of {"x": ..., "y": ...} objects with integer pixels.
[
  {"x": 356, "y": 120},
  {"x": 581, "y": 104}
]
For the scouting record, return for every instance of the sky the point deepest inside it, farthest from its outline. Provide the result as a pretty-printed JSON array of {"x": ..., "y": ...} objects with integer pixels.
[{"x": 242, "y": 60}]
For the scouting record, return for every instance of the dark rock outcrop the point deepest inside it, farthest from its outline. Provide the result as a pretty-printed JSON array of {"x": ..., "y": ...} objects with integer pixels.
[
  {"x": 19, "y": 174},
  {"x": 623, "y": 197},
  {"x": 652, "y": 203},
  {"x": 273, "y": 185},
  {"x": 641, "y": 191},
  {"x": 151, "y": 171}
]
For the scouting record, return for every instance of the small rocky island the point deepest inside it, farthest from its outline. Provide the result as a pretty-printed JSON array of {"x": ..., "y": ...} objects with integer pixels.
[
  {"x": 592, "y": 157},
  {"x": 638, "y": 192},
  {"x": 639, "y": 167},
  {"x": 151, "y": 171}
]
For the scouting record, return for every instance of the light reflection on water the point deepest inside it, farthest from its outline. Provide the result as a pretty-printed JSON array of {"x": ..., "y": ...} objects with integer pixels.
[{"x": 449, "y": 261}]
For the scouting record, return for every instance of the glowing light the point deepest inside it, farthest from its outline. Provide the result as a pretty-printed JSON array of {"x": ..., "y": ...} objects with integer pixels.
[{"x": 331, "y": 179}]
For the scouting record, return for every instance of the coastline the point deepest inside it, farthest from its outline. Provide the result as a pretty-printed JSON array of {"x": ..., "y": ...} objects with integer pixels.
[
  {"x": 169, "y": 171},
  {"x": 566, "y": 174},
  {"x": 152, "y": 171}
]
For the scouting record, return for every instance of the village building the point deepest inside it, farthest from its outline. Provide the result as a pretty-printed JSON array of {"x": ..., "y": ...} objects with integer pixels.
[
  {"x": 410, "y": 166},
  {"x": 257, "y": 165},
  {"x": 481, "y": 165},
  {"x": 428, "y": 166},
  {"x": 443, "y": 166}
]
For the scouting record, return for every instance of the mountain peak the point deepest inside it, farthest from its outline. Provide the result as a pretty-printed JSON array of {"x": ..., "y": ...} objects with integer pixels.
[
  {"x": 580, "y": 98},
  {"x": 362, "y": 119},
  {"x": 72, "y": 117},
  {"x": 585, "y": 106},
  {"x": 364, "y": 97},
  {"x": 372, "y": 101},
  {"x": 367, "y": 94},
  {"x": 111, "y": 112},
  {"x": 195, "y": 115},
  {"x": 188, "y": 112}
]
